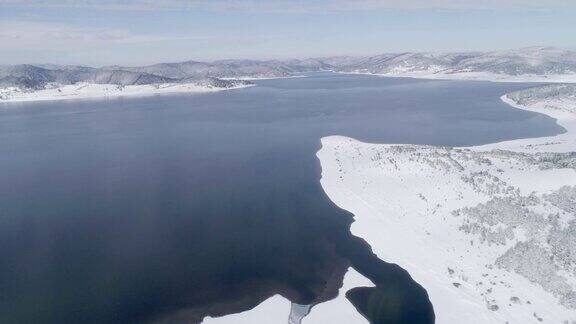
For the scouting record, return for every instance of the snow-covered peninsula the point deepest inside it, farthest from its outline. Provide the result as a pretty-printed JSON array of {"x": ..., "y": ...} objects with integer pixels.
[
  {"x": 90, "y": 90},
  {"x": 487, "y": 230},
  {"x": 22, "y": 83}
]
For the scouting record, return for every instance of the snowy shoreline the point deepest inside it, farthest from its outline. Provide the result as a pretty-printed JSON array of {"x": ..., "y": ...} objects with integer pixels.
[
  {"x": 102, "y": 91},
  {"x": 266, "y": 78},
  {"x": 485, "y": 229},
  {"x": 475, "y": 76}
]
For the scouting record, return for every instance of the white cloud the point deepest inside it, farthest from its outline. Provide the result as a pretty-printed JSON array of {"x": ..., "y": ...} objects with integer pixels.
[{"x": 22, "y": 34}]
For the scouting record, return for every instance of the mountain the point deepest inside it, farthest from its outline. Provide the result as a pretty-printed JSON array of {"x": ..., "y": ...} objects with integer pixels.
[
  {"x": 36, "y": 77},
  {"x": 541, "y": 61},
  {"x": 403, "y": 62},
  {"x": 526, "y": 61},
  {"x": 532, "y": 60},
  {"x": 25, "y": 76},
  {"x": 121, "y": 77},
  {"x": 217, "y": 69}
]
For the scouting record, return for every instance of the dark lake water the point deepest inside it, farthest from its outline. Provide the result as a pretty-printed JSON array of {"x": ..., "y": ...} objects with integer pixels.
[{"x": 176, "y": 207}]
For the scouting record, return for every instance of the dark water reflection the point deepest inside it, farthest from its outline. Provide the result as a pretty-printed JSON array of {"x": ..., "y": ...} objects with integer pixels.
[{"x": 140, "y": 209}]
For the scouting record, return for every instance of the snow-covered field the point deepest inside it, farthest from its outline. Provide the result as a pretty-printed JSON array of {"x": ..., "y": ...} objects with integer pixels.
[
  {"x": 90, "y": 90},
  {"x": 489, "y": 231},
  {"x": 435, "y": 74}
]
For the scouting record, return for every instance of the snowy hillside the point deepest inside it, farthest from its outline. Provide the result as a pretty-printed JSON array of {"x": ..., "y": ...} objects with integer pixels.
[
  {"x": 83, "y": 90},
  {"x": 527, "y": 64},
  {"x": 487, "y": 230},
  {"x": 218, "y": 69},
  {"x": 53, "y": 82}
]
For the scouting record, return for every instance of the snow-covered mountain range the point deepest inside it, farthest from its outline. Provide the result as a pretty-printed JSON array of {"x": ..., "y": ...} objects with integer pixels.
[
  {"x": 526, "y": 61},
  {"x": 36, "y": 77},
  {"x": 53, "y": 82},
  {"x": 533, "y": 61}
]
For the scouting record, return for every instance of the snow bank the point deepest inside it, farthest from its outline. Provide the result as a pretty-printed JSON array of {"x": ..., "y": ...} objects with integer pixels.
[
  {"x": 475, "y": 76},
  {"x": 90, "y": 90},
  {"x": 277, "y": 309},
  {"x": 487, "y": 230}
]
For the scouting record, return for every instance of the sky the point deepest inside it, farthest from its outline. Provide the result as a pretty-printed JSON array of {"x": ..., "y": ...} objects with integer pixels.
[{"x": 138, "y": 32}]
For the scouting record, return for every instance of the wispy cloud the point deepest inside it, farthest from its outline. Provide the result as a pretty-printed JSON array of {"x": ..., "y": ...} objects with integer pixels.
[
  {"x": 40, "y": 34},
  {"x": 292, "y": 5}
]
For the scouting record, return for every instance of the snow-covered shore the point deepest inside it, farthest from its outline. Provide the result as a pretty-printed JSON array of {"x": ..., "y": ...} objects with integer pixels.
[
  {"x": 474, "y": 76},
  {"x": 487, "y": 230},
  {"x": 277, "y": 309},
  {"x": 91, "y": 90},
  {"x": 266, "y": 78}
]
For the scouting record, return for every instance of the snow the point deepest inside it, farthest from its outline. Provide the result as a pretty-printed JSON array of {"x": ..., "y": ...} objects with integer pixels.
[
  {"x": 487, "y": 230},
  {"x": 91, "y": 90},
  {"x": 275, "y": 309},
  {"x": 435, "y": 74},
  {"x": 278, "y": 310},
  {"x": 256, "y": 78},
  {"x": 563, "y": 110},
  {"x": 340, "y": 310},
  {"x": 533, "y": 64}
]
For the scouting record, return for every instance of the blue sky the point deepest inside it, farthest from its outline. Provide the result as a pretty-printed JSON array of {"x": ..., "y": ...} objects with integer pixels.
[{"x": 135, "y": 32}]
